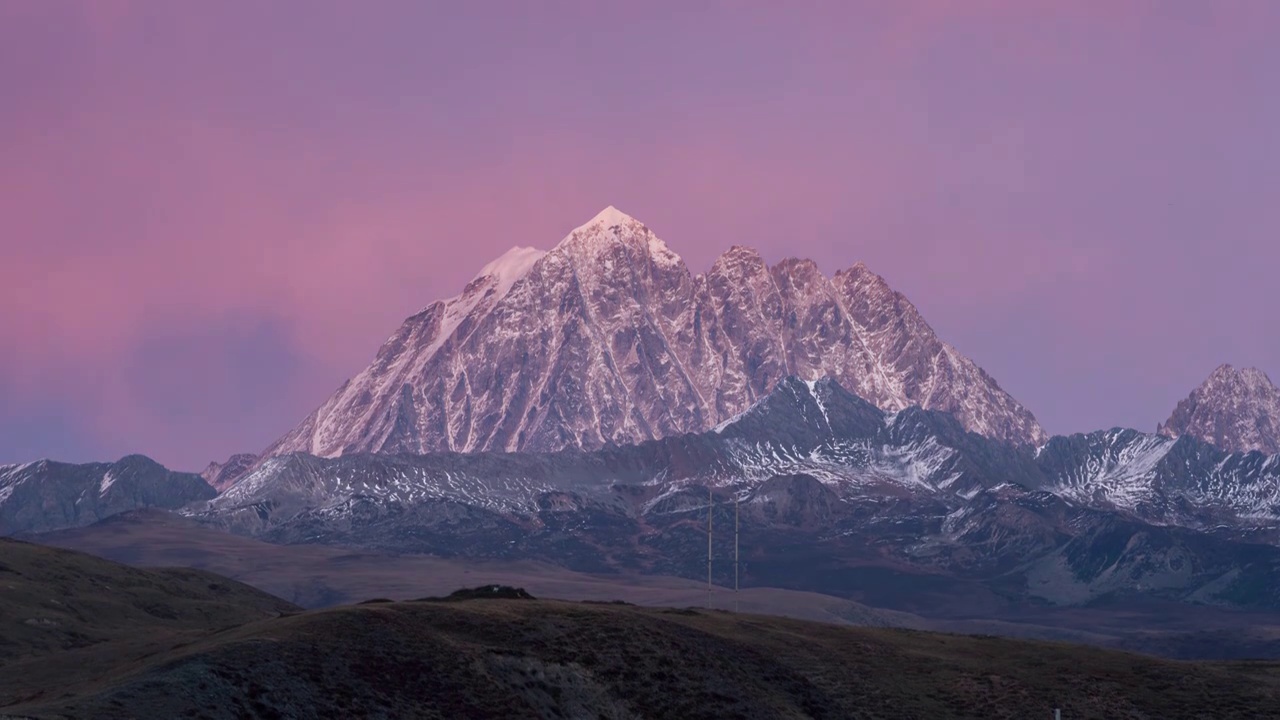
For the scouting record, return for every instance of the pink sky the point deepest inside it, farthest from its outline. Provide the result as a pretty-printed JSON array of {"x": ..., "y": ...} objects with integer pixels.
[{"x": 213, "y": 213}]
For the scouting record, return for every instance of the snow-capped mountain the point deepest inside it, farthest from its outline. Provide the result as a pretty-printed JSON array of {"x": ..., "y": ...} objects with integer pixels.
[
  {"x": 47, "y": 495},
  {"x": 1234, "y": 409},
  {"x": 609, "y": 339}
]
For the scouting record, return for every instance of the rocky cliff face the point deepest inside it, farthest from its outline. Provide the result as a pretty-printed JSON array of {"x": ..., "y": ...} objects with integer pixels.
[
  {"x": 1234, "y": 409},
  {"x": 222, "y": 475},
  {"x": 609, "y": 339}
]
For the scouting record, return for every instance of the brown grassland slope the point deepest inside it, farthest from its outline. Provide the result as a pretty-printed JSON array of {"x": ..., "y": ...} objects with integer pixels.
[
  {"x": 154, "y": 644},
  {"x": 53, "y": 600}
]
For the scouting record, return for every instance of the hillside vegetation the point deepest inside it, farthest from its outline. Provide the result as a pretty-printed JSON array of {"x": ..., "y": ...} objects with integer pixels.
[{"x": 132, "y": 643}]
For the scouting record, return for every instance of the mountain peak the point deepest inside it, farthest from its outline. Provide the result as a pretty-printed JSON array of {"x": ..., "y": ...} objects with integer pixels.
[
  {"x": 509, "y": 267},
  {"x": 803, "y": 411},
  {"x": 612, "y": 228},
  {"x": 608, "y": 217},
  {"x": 740, "y": 253},
  {"x": 1251, "y": 376},
  {"x": 1236, "y": 409},
  {"x": 222, "y": 475},
  {"x": 863, "y": 275},
  {"x": 738, "y": 262}
]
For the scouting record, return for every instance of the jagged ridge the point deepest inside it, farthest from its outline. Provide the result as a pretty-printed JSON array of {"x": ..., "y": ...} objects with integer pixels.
[
  {"x": 1234, "y": 409},
  {"x": 609, "y": 339}
]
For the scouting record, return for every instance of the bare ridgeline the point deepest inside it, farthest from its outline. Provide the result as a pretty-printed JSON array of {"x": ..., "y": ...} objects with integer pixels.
[{"x": 596, "y": 422}]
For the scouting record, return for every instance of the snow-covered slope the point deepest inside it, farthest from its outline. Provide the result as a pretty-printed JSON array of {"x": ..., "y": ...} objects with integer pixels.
[
  {"x": 609, "y": 339},
  {"x": 1234, "y": 409},
  {"x": 827, "y": 470},
  {"x": 1113, "y": 468},
  {"x": 817, "y": 429},
  {"x": 1183, "y": 481}
]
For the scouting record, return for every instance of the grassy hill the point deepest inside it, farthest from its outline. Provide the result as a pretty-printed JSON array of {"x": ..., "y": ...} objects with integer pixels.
[
  {"x": 53, "y": 600},
  {"x": 155, "y": 644}
]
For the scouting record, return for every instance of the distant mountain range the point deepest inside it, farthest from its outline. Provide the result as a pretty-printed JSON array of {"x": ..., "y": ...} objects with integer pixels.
[
  {"x": 832, "y": 494},
  {"x": 46, "y": 495},
  {"x": 814, "y": 470},
  {"x": 591, "y": 405}
]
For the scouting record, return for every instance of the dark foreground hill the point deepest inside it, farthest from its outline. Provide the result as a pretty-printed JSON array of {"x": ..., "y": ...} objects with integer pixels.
[
  {"x": 551, "y": 659},
  {"x": 69, "y": 620},
  {"x": 53, "y": 600}
]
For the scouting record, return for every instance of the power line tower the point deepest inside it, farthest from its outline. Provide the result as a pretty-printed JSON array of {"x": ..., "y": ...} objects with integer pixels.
[
  {"x": 710, "y": 508},
  {"x": 735, "y": 551}
]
